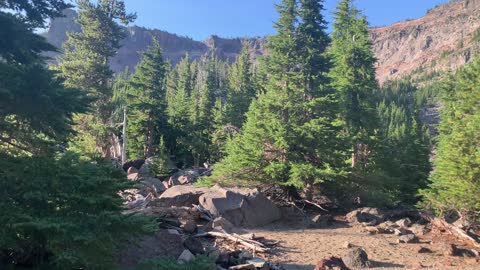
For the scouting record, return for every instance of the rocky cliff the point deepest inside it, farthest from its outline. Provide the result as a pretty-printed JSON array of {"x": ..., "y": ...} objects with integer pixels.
[{"x": 447, "y": 37}]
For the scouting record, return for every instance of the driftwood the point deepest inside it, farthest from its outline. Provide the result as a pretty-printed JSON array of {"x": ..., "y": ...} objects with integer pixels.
[
  {"x": 255, "y": 246},
  {"x": 452, "y": 229}
]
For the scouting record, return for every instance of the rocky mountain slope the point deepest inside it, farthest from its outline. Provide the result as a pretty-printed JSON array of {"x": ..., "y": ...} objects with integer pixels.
[{"x": 447, "y": 37}]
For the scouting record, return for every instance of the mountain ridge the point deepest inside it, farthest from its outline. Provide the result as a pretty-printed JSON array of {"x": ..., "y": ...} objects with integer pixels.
[{"x": 447, "y": 37}]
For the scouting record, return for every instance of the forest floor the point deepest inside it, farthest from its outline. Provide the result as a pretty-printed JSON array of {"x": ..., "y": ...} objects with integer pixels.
[{"x": 300, "y": 249}]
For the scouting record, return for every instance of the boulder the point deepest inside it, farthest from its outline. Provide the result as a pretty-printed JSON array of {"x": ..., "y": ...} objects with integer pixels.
[
  {"x": 257, "y": 262},
  {"x": 243, "y": 267},
  {"x": 184, "y": 177},
  {"x": 418, "y": 229},
  {"x": 194, "y": 245},
  {"x": 179, "y": 196},
  {"x": 408, "y": 238},
  {"x": 137, "y": 164},
  {"x": 357, "y": 258},
  {"x": 404, "y": 222},
  {"x": 331, "y": 263},
  {"x": 132, "y": 176},
  {"x": 424, "y": 250},
  {"x": 190, "y": 226},
  {"x": 162, "y": 244},
  {"x": 153, "y": 183},
  {"x": 132, "y": 170},
  {"x": 185, "y": 257},
  {"x": 242, "y": 207},
  {"x": 367, "y": 216},
  {"x": 222, "y": 223},
  {"x": 321, "y": 221}
]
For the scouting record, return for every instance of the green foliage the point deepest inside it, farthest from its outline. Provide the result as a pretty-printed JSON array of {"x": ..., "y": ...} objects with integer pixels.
[
  {"x": 147, "y": 117},
  {"x": 455, "y": 179},
  {"x": 63, "y": 213},
  {"x": 85, "y": 65},
  {"x": 161, "y": 166},
  {"x": 36, "y": 110},
  {"x": 200, "y": 263},
  {"x": 291, "y": 134},
  {"x": 35, "y": 13}
]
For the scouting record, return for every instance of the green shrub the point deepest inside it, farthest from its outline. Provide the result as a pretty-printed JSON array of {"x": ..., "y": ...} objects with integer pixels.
[{"x": 63, "y": 213}]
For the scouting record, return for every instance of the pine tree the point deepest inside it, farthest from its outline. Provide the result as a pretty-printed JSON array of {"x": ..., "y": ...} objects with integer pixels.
[
  {"x": 36, "y": 109},
  {"x": 241, "y": 91},
  {"x": 455, "y": 179},
  {"x": 291, "y": 134},
  {"x": 353, "y": 75},
  {"x": 148, "y": 108},
  {"x": 85, "y": 65}
]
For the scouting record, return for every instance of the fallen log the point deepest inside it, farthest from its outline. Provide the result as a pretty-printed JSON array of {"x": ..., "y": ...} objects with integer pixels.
[
  {"x": 251, "y": 244},
  {"x": 452, "y": 229}
]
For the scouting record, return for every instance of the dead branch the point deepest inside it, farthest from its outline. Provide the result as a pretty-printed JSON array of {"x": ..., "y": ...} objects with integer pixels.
[{"x": 455, "y": 231}]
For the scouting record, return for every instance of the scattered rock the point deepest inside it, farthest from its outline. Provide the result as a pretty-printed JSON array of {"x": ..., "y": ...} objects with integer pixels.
[
  {"x": 221, "y": 222},
  {"x": 243, "y": 267},
  {"x": 331, "y": 263},
  {"x": 137, "y": 164},
  {"x": 132, "y": 176},
  {"x": 184, "y": 177},
  {"x": 321, "y": 221},
  {"x": 408, "y": 238},
  {"x": 357, "y": 258},
  {"x": 371, "y": 230},
  {"x": 179, "y": 196},
  {"x": 404, "y": 222},
  {"x": 367, "y": 216},
  {"x": 418, "y": 229},
  {"x": 348, "y": 245},
  {"x": 242, "y": 207},
  {"x": 190, "y": 226},
  {"x": 194, "y": 245},
  {"x": 172, "y": 231},
  {"x": 424, "y": 250},
  {"x": 257, "y": 262},
  {"x": 401, "y": 231},
  {"x": 153, "y": 183},
  {"x": 185, "y": 257},
  {"x": 132, "y": 170}
]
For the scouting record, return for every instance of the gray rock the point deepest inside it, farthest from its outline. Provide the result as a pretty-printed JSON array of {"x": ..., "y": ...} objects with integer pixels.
[
  {"x": 190, "y": 226},
  {"x": 257, "y": 262},
  {"x": 357, "y": 258},
  {"x": 321, "y": 221},
  {"x": 194, "y": 245},
  {"x": 369, "y": 216},
  {"x": 179, "y": 196},
  {"x": 418, "y": 229},
  {"x": 404, "y": 222},
  {"x": 242, "y": 207},
  {"x": 408, "y": 238},
  {"x": 132, "y": 170},
  {"x": 185, "y": 257},
  {"x": 222, "y": 223}
]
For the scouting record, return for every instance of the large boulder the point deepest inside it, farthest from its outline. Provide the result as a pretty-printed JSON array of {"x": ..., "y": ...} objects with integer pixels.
[
  {"x": 162, "y": 244},
  {"x": 137, "y": 164},
  {"x": 184, "y": 177},
  {"x": 242, "y": 207},
  {"x": 357, "y": 258},
  {"x": 331, "y": 263},
  {"x": 179, "y": 196},
  {"x": 367, "y": 215}
]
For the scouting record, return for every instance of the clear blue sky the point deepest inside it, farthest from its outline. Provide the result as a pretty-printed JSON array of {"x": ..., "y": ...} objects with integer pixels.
[{"x": 199, "y": 19}]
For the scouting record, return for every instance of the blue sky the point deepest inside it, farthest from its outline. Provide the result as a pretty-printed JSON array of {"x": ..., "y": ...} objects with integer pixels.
[{"x": 199, "y": 19}]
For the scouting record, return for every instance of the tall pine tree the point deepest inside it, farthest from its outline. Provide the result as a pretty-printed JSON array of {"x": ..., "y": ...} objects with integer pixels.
[
  {"x": 291, "y": 134},
  {"x": 85, "y": 65}
]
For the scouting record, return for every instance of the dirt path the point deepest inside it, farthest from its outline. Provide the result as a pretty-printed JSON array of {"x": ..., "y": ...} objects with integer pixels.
[{"x": 301, "y": 249}]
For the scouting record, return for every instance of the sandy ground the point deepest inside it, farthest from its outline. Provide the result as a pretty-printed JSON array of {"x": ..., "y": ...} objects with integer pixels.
[{"x": 300, "y": 249}]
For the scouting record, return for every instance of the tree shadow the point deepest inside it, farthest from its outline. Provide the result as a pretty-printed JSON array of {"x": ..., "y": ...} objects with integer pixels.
[{"x": 295, "y": 266}]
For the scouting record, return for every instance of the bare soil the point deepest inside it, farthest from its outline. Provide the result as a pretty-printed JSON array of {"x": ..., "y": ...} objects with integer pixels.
[{"x": 300, "y": 248}]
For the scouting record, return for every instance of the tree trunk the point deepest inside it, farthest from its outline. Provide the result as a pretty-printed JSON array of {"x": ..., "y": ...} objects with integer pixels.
[
  {"x": 149, "y": 149},
  {"x": 124, "y": 136}
]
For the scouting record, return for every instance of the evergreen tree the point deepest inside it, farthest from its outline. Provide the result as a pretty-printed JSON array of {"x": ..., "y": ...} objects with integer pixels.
[
  {"x": 85, "y": 65},
  {"x": 148, "y": 108},
  {"x": 242, "y": 89},
  {"x": 36, "y": 110},
  {"x": 291, "y": 134},
  {"x": 353, "y": 75},
  {"x": 455, "y": 179}
]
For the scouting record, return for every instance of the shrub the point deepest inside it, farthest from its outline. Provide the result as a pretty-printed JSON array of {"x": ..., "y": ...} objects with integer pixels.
[{"x": 63, "y": 213}]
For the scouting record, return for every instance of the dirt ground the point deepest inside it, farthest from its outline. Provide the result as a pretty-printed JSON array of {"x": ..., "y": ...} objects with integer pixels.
[{"x": 300, "y": 249}]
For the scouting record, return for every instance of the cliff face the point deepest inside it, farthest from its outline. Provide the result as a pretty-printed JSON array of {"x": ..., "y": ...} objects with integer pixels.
[
  {"x": 139, "y": 38},
  {"x": 447, "y": 37}
]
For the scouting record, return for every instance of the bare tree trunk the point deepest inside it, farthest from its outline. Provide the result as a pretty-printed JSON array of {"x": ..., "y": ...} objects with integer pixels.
[
  {"x": 124, "y": 136},
  {"x": 149, "y": 149}
]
